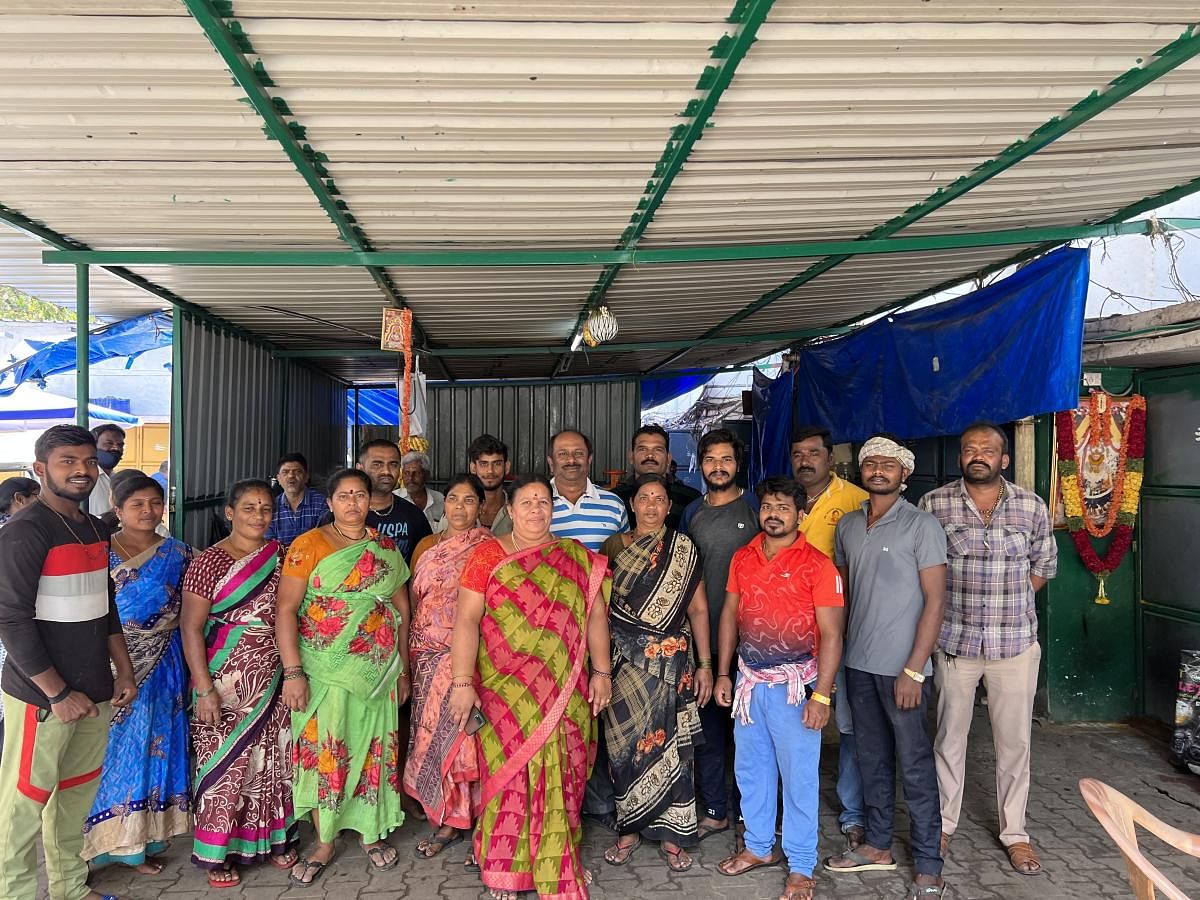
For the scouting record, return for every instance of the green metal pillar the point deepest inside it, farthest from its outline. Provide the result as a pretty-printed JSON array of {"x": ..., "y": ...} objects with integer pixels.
[
  {"x": 82, "y": 359},
  {"x": 177, "y": 436}
]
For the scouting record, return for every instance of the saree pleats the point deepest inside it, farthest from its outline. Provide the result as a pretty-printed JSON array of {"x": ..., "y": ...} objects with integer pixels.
[
  {"x": 653, "y": 724},
  {"x": 538, "y": 744},
  {"x": 144, "y": 795}
]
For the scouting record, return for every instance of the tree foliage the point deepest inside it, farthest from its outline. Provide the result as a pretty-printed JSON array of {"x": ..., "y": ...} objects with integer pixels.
[{"x": 17, "y": 306}]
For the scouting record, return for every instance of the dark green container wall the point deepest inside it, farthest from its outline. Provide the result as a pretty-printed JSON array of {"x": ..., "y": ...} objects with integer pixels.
[
  {"x": 1169, "y": 533},
  {"x": 1089, "y": 661}
]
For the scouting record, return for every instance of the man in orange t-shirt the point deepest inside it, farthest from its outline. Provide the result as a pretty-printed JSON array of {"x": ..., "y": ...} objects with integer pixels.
[{"x": 783, "y": 613}]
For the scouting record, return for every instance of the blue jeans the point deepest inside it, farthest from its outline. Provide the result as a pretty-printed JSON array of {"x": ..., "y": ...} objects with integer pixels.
[
  {"x": 776, "y": 745},
  {"x": 710, "y": 761},
  {"x": 883, "y": 731},
  {"x": 849, "y": 784}
]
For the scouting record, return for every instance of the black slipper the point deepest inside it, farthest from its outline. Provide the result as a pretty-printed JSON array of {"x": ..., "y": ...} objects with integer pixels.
[
  {"x": 706, "y": 831},
  {"x": 378, "y": 857},
  {"x": 441, "y": 843},
  {"x": 317, "y": 867}
]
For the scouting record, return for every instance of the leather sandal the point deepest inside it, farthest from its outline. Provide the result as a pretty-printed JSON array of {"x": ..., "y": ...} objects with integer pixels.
[
  {"x": 1024, "y": 858},
  {"x": 747, "y": 861},
  {"x": 798, "y": 887}
]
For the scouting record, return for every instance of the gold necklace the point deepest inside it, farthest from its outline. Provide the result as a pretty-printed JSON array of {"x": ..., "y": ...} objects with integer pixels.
[
  {"x": 63, "y": 519},
  {"x": 987, "y": 516},
  {"x": 125, "y": 550},
  {"x": 346, "y": 537},
  {"x": 232, "y": 545}
]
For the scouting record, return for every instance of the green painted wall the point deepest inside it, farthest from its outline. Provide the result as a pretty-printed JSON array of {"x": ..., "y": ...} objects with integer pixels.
[{"x": 1089, "y": 660}]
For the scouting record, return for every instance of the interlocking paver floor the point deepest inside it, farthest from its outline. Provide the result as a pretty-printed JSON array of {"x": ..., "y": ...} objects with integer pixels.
[{"x": 1079, "y": 859}]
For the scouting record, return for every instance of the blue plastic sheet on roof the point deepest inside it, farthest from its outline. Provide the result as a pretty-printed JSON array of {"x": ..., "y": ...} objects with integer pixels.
[
  {"x": 130, "y": 337},
  {"x": 376, "y": 406},
  {"x": 1010, "y": 350},
  {"x": 657, "y": 391}
]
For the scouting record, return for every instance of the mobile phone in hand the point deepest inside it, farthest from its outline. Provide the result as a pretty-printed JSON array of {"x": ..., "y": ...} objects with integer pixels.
[{"x": 475, "y": 721}]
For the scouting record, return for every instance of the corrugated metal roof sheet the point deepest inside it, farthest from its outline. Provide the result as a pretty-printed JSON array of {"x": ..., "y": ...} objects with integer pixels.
[
  {"x": 538, "y": 125},
  {"x": 21, "y": 267}
]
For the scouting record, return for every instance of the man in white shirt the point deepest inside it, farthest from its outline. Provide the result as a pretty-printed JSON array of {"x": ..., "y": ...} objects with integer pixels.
[{"x": 414, "y": 469}]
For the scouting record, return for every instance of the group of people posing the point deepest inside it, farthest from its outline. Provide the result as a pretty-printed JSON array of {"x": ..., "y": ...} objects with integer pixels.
[{"x": 569, "y": 652}]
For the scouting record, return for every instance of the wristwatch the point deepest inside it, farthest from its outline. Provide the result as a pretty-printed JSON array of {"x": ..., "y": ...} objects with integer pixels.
[{"x": 918, "y": 677}]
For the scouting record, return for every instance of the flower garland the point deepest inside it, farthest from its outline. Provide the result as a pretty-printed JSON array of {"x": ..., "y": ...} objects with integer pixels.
[
  {"x": 1127, "y": 487},
  {"x": 406, "y": 392}
]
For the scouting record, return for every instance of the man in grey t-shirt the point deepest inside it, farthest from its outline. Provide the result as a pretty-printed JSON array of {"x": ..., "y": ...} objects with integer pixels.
[
  {"x": 892, "y": 557},
  {"x": 719, "y": 523}
]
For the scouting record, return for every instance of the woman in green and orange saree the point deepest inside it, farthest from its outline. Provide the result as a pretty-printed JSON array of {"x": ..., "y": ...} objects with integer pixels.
[
  {"x": 530, "y": 650},
  {"x": 240, "y": 728},
  {"x": 343, "y": 637}
]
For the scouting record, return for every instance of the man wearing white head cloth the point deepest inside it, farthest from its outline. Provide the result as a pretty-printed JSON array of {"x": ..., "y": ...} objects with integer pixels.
[{"x": 892, "y": 557}]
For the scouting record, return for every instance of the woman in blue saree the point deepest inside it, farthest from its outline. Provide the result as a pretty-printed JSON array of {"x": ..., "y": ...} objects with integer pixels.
[{"x": 143, "y": 797}]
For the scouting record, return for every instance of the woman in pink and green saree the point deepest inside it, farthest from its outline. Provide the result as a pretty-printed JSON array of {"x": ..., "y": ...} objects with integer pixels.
[{"x": 530, "y": 652}]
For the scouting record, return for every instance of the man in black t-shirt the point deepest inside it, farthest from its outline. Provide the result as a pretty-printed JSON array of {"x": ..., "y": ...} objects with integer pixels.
[{"x": 59, "y": 621}]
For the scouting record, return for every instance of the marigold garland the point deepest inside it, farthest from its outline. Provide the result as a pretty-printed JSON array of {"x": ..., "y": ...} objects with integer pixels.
[
  {"x": 1126, "y": 488},
  {"x": 406, "y": 392}
]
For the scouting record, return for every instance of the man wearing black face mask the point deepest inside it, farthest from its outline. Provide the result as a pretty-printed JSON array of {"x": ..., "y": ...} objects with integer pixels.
[{"x": 110, "y": 447}]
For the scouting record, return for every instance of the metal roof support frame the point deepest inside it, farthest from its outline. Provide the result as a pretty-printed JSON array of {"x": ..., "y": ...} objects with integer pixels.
[
  {"x": 1165, "y": 60},
  {"x": 82, "y": 345},
  {"x": 727, "y": 54},
  {"x": 502, "y": 258},
  {"x": 1145, "y": 205},
  {"x": 63, "y": 243},
  {"x": 232, "y": 45}
]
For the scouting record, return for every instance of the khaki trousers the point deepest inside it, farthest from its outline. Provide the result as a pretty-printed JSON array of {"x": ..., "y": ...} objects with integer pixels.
[
  {"x": 1010, "y": 687},
  {"x": 49, "y": 776}
]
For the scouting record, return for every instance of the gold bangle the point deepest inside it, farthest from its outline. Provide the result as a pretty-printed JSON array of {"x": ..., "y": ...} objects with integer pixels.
[
  {"x": 820, "y": 698},
  {"x": 704, "y": 664}
]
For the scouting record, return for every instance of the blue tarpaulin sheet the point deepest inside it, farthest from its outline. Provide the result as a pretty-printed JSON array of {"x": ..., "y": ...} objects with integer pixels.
[
  {"x": 1010, "y": 350},
  {"x": 127, "y": 338},
  {"x": 376, "y": 406},
  {"x": 657, "y": 391}
]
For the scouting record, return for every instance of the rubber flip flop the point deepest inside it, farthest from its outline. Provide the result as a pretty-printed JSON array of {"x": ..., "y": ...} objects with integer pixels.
[
  {"x": 763, "y": 864},
  {"x": 378, "y": 857},
  {"x": 704, "y": 832},
  {"x": 861, "y": 863},
  {"x": 628, "y": 851},
  {"x": 434, "y": 841},
  {"x": 229, "y": 883},
  {"x": 317, "y": 867},
  {"x": 674, "y": 863}
]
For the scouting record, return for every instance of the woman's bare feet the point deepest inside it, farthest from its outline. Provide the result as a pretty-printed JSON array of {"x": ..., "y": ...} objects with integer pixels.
[{"x": 149, "y": 867}]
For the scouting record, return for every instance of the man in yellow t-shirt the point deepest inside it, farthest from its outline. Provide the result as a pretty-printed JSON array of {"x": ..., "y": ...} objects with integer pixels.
[{"x": 829, "y": 498}]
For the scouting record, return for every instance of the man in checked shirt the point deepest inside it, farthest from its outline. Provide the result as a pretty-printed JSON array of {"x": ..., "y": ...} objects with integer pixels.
[{"x": 1000, "y": 550}]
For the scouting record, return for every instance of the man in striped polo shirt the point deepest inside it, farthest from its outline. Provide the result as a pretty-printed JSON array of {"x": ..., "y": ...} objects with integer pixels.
[
  {"x": 581, "y": 510},
  {"x": 589, "y": 515},
  {"x": 59, "y": 622}
]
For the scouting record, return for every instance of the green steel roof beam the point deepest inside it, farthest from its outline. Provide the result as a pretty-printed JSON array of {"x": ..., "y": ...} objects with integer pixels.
[
  {"x": 1120, "y": 217},
  {"x": 554, "y": 349},
  {"x": 1141, "y": 207},
  {"x": 232, "y": 45},
  {"x": 53, "y": 238},
  {"x": 726, "y": 56},
  {"x": 504, "y": 258},
  {"x": 1165, "y": 60}
]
